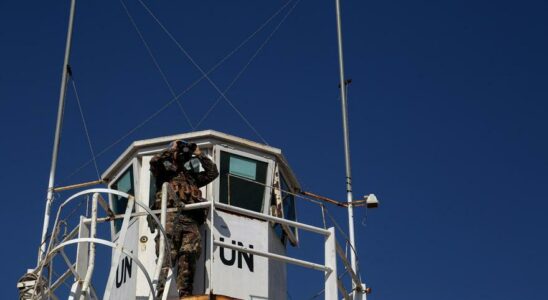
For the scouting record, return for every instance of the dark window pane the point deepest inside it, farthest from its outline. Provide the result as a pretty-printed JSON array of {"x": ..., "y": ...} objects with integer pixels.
[
  {"x": 237, "y": 174},
  {"x": 119, "y": 204}
]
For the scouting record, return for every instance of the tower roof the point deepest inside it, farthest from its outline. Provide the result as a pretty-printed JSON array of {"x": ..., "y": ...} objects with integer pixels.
[{"x": 207, "y": 136}]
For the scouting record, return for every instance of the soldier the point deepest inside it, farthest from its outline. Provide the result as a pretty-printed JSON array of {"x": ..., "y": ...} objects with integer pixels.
[{"x": 182, "y": 227}]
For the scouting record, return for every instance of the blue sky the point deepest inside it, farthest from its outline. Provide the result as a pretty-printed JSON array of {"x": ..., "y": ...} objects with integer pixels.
[{"x": 447, "y": 116}]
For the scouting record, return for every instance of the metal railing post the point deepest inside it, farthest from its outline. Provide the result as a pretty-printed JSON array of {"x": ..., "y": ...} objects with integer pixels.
[
  {"x": 212, "y": 241},
  {"x": 116, "y": 256},
  {"x": 331, "y": 263},
  {"x": 93, "y": 234},
  {"x": 161, "y": 254}
]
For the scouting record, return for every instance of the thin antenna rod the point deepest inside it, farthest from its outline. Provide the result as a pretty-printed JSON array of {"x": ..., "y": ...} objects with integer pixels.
[
  {"x": 57, "y": 138},
  {"x": 349, "y": 197}
]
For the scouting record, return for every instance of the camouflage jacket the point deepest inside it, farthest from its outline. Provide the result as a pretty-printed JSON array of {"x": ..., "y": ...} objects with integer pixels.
[{"x": 165, "y": 169}]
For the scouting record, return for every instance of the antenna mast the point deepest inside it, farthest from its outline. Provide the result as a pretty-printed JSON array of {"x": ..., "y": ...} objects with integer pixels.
[
  {"x": 343, "y": 84},
  {"x": 57, "y": 138}
]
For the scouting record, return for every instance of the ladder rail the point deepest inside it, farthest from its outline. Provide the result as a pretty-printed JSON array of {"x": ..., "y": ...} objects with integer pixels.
[
  {"x": 161, "y": 255},
  {"x": 56, "y": 247}
]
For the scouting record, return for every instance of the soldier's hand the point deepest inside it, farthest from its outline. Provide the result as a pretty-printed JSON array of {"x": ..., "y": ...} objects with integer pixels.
[
  {"x": 197, "y": 152},
  {"x": 174, "y": 144}
]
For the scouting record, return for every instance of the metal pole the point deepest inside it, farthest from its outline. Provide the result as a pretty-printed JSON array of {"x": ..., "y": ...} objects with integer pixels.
[
  {"x": 57, "y": 138},
  {"x": 346, "y": 145}
]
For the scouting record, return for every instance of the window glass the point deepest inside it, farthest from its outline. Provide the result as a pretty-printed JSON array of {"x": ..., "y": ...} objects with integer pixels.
[
  {"x": 288, "y": 201},
  {"x": 243, "y": 167},
  {"x": 119, "y": 204},
  {"x": 242, "y": 181}
]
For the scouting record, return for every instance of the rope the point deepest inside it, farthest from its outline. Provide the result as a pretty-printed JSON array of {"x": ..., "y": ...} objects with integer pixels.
[
  {"x": 249, "y": 62},
  {"x": 213, "y": 84},
  {"x": 155, "y": 61},
  {"x": 28, "y": 292},
  {"x": 85, "y": 127},
  {"x": 186, "y": 90}
]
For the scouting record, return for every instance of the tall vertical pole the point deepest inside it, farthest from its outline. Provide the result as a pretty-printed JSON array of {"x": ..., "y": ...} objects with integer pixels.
[
  {"x": 57, "y": 137},
  {"x": 349, "y": 197}
]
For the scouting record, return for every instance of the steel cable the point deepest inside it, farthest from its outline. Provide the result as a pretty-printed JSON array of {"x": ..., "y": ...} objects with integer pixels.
[
  {"x": 195, "y": 64},
  {"x": 244, "y": 68},
  {"x": 186, "y": 90},
  {"x": 155, "y": 61},
  {"x": 85, "y": 127}
]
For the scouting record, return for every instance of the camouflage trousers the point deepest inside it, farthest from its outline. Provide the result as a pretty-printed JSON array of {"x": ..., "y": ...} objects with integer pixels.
[{"x": 184, "y": 237}]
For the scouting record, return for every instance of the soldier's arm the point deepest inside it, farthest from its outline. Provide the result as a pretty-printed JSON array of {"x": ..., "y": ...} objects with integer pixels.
[
  {"x": 157, "y": 162},
  {"x": 209, "y": 173}
]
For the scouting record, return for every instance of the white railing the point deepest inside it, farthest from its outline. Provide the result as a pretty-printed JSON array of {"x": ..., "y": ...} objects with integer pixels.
[
  {"x": 83, "y": 286},
  {"x": 355, "y": 280}
]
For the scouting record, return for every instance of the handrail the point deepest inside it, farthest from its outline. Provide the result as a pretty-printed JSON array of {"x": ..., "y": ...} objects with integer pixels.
[
  {"x": 330, "y": 267},
  {"x": 266, "y": 217},
  {"x": 278, "y": 257},
  {"x": 332, "y": 284},
  {"x": 331, "y": 247},
  {"x": 93, "y": 234},
  {"x": 193, "y": 206},
  {"x": 55, "y": 247},
  {"x": 77, "y": 185},
  {"x": 163, "y": 217},
  {"x": 108, "y": 244},
  {"x": 90, "y": 191},
  {"x": 107, "y": 191}
]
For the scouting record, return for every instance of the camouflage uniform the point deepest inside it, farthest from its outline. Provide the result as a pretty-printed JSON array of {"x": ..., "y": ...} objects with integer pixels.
[{"x": 182, "y": 227}]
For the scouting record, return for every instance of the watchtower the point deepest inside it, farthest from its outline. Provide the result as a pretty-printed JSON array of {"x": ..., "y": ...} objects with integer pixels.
[
  {"x": 251, "y": 220},
  {"x": 254, "y": 180}
]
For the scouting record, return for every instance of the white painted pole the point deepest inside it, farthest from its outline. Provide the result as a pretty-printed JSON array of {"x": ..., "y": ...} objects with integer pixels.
[
  {"x": 57, "y": 138},
  {"x": 331, "y": 262},
  {"x": 93, "y": 234},
  {"x": 163, "y": 250},
  {"x": 344, "y": 105}
]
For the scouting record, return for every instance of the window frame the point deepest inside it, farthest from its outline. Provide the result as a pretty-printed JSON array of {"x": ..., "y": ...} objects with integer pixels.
[
  {"x": 134, "y": 164},
  {"x": 293, "y": 237},
  {"x": 217, "y": 149}
]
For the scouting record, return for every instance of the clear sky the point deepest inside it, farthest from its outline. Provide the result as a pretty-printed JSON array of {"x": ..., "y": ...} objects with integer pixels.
[{"x": 448, "y": 123}]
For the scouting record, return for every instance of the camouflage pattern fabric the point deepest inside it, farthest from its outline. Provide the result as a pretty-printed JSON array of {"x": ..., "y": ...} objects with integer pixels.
[
  {"x": 182, "y": 227},
  {"x": 183, "y": 233}
]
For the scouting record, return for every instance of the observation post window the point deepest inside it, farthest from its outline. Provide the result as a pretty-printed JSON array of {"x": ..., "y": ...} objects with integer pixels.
[
  {"x": 119, "y": 204},
  {"x": 288, "y": 201},
  {"x": 285, "y": 232},
  {"x": 242, "y": 181}
]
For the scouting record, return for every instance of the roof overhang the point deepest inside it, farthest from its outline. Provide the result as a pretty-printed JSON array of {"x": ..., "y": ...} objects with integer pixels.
[{"x": 215, "y": 137}]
